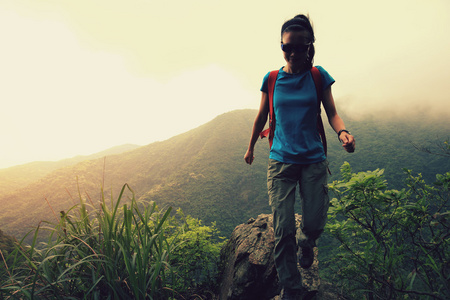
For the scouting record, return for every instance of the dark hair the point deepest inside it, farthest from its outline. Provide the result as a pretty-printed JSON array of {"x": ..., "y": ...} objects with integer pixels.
[{"x": 300, "y": 23}]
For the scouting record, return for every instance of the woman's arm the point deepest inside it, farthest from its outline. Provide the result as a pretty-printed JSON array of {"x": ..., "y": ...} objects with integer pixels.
[
  {"x": 258, "y": 126},
  {"x": 348, "y": 141}
]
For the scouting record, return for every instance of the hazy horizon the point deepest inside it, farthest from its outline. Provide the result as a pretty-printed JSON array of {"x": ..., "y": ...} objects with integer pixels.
[{"x": 82, "y": 77}]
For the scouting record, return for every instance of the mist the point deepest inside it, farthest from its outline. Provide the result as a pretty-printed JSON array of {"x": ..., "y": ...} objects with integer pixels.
[{"x": 78, "y": 78}]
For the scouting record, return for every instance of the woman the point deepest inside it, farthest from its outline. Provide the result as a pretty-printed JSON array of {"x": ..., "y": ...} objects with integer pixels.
[{"x": 297, "y": 154}]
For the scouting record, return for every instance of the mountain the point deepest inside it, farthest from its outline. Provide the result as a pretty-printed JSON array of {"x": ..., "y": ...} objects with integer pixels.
[
  {"x": 18, "y": 176},
  {"x": 203, "y": 172},
  {"x": 206, "y": 152}
]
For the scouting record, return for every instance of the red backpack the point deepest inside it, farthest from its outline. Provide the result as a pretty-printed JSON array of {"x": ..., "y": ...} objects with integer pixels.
[{"x": 269, "y": 132}]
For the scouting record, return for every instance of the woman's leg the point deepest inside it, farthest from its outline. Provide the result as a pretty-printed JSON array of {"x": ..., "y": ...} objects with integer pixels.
[
  {"x": 281, "y": 182},
  {"x": 315, "y": 202}
]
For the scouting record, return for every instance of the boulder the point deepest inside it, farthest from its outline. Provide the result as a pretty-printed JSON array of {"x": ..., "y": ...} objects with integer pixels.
[{"x": 248, "y": 269}]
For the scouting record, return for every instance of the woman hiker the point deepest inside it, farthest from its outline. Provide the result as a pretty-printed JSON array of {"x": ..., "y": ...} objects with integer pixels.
[{"x": 297, "y": 154}]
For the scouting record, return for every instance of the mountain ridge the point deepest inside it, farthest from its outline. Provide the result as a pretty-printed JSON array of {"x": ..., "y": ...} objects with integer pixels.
[{"x": 14, "y": 177}]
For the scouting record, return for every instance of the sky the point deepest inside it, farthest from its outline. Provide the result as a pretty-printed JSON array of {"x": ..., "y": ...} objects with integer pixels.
[{"x": 81, "y": 76}]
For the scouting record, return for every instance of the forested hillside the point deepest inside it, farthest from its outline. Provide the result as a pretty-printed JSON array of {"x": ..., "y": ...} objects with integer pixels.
[
  {"x": 203, "y": 171},
  {"x": 390, "y": 143}
]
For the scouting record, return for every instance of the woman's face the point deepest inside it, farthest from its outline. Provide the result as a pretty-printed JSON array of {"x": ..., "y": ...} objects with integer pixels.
[{"x": 295, "y": 46}]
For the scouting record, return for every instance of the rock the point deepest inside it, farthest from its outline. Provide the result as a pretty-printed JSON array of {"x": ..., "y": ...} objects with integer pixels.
[{"x": 248, "y": 269}]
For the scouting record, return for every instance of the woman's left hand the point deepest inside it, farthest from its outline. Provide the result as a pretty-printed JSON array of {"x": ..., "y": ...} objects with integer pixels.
[{"x": 348, "y": 142}]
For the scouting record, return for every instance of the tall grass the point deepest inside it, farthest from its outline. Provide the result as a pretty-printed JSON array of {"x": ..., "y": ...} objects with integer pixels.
[{"x": 117, "y": 250}]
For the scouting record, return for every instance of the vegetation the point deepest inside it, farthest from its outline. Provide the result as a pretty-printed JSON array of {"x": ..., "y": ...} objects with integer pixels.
[
  {"x": 119, "y": 251},
  {"x": 196, "y": 255},
  {"x": 393, "y": 244},
  {"x": 100, "y": 248}
]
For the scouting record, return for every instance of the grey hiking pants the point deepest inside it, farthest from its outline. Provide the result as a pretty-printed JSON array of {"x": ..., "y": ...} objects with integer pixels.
[{"x": 282, "y": 180}]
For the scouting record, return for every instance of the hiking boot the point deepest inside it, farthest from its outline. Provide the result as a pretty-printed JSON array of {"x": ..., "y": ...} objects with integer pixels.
[
  {"x": 307, "y": 257},
  {"x": 290, "y": 294}
]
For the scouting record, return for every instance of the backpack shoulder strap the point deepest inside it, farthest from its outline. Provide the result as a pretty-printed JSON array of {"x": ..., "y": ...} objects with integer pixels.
[
  {"x": 271, "y": 87},
  {"x": 319, "y": 90},
  {"x": 318, "y": 83}
]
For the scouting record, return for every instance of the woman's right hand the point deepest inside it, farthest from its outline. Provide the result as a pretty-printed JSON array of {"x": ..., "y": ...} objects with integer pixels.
[
  {"x": 258, "y": 125},
  {"x": 248, "y": 157}
]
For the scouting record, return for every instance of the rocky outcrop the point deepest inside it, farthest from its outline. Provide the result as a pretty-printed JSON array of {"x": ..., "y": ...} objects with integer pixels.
[{"x": 248, "y": 269}]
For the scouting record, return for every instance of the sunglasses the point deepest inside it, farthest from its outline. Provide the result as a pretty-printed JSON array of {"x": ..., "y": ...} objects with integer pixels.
[{"x": 288, "y": 48}]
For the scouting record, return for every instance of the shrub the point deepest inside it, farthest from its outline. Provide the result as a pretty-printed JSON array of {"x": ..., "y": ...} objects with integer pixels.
[
  {"x": 393, "y": 244},
  {"x": 196, "y": 256}
]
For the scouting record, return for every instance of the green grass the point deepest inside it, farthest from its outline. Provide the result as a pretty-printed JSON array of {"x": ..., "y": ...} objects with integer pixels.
[{"x": 124, "y": 249}]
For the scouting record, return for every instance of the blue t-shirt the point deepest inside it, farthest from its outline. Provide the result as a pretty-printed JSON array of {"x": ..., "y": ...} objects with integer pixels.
[{"x": 296, "y": 139}]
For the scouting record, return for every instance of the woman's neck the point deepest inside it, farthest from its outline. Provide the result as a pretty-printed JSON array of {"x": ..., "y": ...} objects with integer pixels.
[{"x": 291, "y": 70}]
